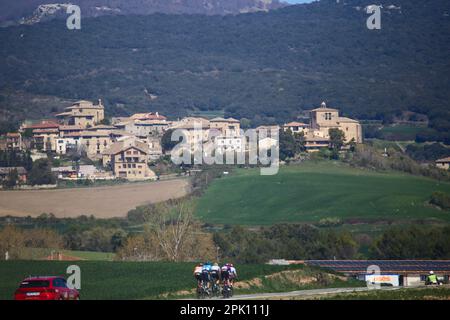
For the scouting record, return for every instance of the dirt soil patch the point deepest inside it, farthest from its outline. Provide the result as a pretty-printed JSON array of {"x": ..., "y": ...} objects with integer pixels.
[{"x": 102, "y": 202}]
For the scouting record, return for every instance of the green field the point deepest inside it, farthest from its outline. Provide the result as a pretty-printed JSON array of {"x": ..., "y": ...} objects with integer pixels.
[
  {"x": 313, "y": 191},
  {"x": 403, "y": 132},
  {"x": 130, "y": 280}
]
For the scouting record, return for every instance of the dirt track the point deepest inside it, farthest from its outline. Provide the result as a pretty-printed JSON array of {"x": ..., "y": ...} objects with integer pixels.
[{"x": 102, "y": 202}]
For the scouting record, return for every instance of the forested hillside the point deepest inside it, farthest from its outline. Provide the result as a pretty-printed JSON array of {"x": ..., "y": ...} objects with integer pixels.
[{"x": 266, "y": 67}]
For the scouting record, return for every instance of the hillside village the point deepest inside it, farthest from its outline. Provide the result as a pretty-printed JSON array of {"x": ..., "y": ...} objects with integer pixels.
[{"x": 122, "y": 147}]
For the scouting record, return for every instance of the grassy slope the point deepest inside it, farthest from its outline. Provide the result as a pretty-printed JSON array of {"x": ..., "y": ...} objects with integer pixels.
[
  {"x": 118, "y": 280},
  {"x": 313, "y": 191}
]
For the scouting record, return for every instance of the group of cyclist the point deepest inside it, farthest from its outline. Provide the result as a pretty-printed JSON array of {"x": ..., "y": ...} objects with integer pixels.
[{"x": 211, "y": 275}]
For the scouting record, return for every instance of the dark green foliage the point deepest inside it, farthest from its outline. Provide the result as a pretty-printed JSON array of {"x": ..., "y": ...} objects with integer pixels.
[
  {"x": 337, "y": 138},
  {"x": 11, "y": 179},
  {"x": 40, "y": 173},
  {"x": 166, "y": 141},
  {"x": 369, "y": 157},
  {"x": 427, "y": 152},
  {"x": 290, "y": 144},
  {"x": 441, "y": 200},
  {"x": 16, "y": 159},
  {"x": 287, "y": 241},
  {"x": 7, "y": 126},
  {"x": 414, "y": 242},
  {"x": 265, "y": 67}
]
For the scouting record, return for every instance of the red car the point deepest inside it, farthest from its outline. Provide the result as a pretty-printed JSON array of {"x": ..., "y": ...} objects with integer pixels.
[{"x": 45, "y": 288}]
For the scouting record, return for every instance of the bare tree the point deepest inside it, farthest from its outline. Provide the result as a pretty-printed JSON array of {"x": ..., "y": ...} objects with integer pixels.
[{"x": 172, "y": 222}]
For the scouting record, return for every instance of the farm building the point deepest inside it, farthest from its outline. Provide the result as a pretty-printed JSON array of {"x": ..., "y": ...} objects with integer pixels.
[{"x": 443, "y": 163}]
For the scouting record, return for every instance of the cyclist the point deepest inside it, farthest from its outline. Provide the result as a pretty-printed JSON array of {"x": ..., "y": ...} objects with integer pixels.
[
  {"x": 198, "y": 272},
  {"x": 215, "y": 274},
  {"x": 233, "y": 273},
  {"x": 227, "y": 286},
  {"x": 225, "y": 273},
  {"x": 205, "y": 276}
]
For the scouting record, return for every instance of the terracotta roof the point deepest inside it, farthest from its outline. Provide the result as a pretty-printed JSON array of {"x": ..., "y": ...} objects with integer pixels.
[
  {"x": 344, "y": 119},
  {"x": 83, "y": 104},
  {"x": 150, "y": 122},
  {"x": 120, "y": 133},
  {"x": 87, "y": 134},
  {"x": 43, "y": 125},
  {"x": 268, "y": 127},
  {"x": 147, "y": 116},
  {"x": 101, "y": 127},
  {"x": 296, "y": 124},
  {"x": 70, "y": 128},
  {"x": 323, "y": 107},
  {"x": 444, "y": 160},
  {"x": 124, "y": 145},
  {"x": 49, "y": 130},
  {"x": 13, "y": 135}
]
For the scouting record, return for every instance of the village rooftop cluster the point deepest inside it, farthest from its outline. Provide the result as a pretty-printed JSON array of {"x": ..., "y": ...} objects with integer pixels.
[{"x": 124, "y": 146}]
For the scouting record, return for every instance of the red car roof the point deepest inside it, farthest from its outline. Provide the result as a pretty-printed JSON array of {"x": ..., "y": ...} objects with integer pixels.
[{"x": 41, "y": 278}]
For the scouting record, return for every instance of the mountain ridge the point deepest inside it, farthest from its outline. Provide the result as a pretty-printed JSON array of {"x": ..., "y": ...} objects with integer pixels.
[
  {"x": 266, "y": 67},
  {"x": 34, "y": 11}
]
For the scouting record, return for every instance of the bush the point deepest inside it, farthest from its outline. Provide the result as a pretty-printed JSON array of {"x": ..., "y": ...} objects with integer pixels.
[
  {"x": 441, "y": 200},
  {"x": 370, "y": 157},
  {"x": 41, "y": 173},
  {"x": 285, "y": 241},
  {"x": 329, "y": 222}
]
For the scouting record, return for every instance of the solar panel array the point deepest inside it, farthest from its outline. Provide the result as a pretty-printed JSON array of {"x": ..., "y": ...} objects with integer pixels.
[{"x": 386, "y": 266}]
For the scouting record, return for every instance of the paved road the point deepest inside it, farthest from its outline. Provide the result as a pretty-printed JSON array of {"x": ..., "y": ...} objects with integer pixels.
[{"x": 302, "y": 293}]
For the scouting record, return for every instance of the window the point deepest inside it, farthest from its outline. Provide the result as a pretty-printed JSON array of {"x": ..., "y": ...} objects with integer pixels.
[
  {"x": 59, "y": 283},
  {"x": 35, "y": 284}
]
